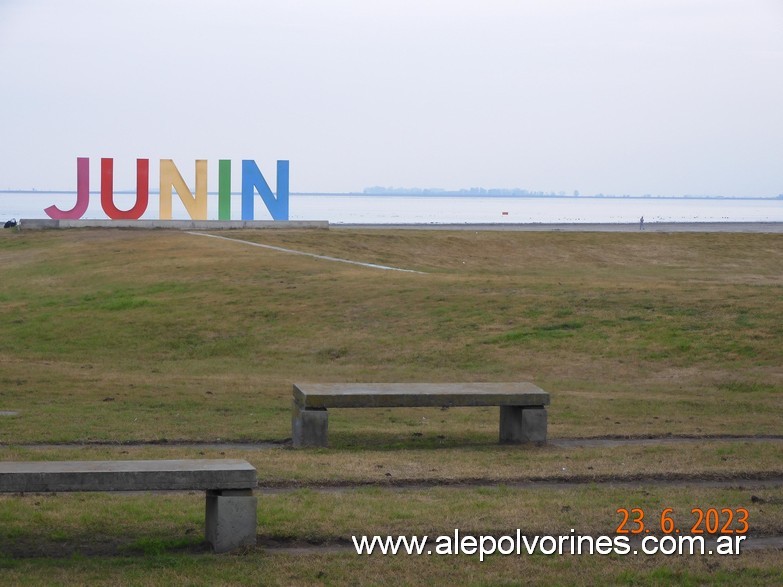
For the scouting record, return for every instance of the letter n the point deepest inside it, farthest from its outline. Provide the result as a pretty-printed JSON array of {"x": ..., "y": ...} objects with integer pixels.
[
  {"x": 252, "y": 181},
  {"x": 196, "y": 206}
]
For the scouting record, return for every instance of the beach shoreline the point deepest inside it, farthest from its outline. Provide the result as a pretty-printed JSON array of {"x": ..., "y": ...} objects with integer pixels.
[{"x": 757, "y": 227}]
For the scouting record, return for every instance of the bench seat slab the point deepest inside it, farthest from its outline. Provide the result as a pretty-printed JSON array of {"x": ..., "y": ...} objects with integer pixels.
[
  {"x": 397, "y": 395},
  {"x": 159, "y": 475}
]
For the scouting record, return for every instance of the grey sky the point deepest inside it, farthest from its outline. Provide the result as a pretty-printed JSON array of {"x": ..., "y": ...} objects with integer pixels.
[{"x": 665, "y": 97}]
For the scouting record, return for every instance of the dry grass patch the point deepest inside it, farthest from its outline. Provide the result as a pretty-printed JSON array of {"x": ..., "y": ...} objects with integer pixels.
[
  {"x": 669, "y": 330},
  {"x": 285, "y": 467}
]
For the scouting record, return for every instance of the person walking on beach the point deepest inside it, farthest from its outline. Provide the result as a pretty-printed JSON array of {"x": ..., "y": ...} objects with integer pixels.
[{"x": 641, "y": 223}]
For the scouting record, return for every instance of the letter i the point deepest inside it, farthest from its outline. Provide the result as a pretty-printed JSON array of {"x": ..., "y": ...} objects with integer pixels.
[{"x": 224, "y": 189}]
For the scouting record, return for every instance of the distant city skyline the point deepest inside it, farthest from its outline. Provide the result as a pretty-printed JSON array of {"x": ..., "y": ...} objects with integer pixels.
[
  {"x": 661, "y": 97},
  {"x": 414, "y": 191}
]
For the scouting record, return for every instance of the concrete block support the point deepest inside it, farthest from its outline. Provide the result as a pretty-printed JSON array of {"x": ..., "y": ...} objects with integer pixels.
[
  {"x": 521, "y": 424},
  {"x": 309, "y": 427},
  {"x": 231, "y": 519}
]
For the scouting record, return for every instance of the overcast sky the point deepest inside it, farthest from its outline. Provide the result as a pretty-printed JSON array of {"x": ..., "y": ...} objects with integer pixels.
[{"x": 664, "y": 97}]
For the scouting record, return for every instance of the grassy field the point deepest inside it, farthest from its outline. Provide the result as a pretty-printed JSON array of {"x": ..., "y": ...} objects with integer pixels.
[{"x": 130, "y": 343}]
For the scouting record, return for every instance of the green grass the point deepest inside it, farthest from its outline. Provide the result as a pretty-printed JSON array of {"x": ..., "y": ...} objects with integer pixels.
[{"x": 132, "y": 336}]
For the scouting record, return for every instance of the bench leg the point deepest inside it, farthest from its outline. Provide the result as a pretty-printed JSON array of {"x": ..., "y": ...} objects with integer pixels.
[
  {"x": 309, "y": 427},
  {"x": 521, "y": 424},
  {"x": 231, "y": 519}
]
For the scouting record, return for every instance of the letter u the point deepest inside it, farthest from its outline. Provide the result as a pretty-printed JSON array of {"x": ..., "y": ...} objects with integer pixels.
[{"x": 142, "y": 190}]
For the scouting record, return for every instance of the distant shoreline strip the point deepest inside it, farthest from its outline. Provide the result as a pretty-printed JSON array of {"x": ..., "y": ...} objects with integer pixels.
[{"x": 315, "y": 256}]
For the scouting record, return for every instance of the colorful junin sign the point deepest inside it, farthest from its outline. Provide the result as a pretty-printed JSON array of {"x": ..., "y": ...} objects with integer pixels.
[{"x": 170, "y": 178}]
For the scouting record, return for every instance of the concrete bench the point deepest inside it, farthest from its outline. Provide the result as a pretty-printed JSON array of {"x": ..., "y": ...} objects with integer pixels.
[
  {"x": 522, "y": 413},
  {"x": 230, "y": 506}
]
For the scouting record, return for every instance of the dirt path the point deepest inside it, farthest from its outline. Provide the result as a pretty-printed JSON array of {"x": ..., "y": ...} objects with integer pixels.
[{"x": 601, "y": 441}]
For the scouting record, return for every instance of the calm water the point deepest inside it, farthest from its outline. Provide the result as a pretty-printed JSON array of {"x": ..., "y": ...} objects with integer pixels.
[{"x": 437, "y": 210}]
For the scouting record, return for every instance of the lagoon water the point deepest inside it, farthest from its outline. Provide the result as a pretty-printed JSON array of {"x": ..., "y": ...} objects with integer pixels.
[
  {"x": 375, "y": 209},
  {"x": 517, "y": 210}
]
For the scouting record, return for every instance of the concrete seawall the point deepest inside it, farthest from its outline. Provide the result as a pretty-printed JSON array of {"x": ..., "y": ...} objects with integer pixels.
[
  {"x": 760, "y": 227},
  {"x": 43, "y": 224}
]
